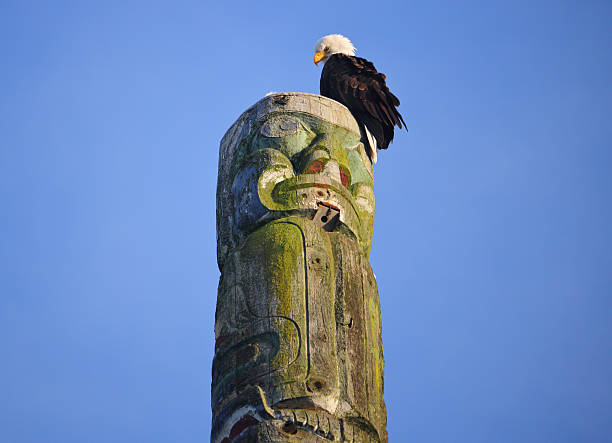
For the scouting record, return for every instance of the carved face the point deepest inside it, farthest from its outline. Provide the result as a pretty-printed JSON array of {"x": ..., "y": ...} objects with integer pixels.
[{"x": 296, "y": 161}]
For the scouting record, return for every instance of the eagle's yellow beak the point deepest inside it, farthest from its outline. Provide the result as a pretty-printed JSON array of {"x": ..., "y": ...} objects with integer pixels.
[{"x": 318, "y": 56}]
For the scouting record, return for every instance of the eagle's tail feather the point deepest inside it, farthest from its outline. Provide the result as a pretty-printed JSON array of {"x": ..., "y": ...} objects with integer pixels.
[{"x": 372, "y": 147}]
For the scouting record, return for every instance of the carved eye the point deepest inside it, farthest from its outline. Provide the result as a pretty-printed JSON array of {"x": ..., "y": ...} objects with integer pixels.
[
  {"x": 345, "y": 177},
  {"x": 315, "y": 167}
]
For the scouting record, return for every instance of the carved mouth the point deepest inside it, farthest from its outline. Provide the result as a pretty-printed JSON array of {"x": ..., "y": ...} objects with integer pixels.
[
  {"x": 332, "y": 195},
  {"x": 318, "y": 421}
]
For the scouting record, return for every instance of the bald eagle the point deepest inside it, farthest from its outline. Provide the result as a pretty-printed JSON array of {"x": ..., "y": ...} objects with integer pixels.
[{"x": 355, "y": 82}]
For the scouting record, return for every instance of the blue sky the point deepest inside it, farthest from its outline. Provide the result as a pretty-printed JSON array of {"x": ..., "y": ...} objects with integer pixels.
[{"x": 492, "y": 243}]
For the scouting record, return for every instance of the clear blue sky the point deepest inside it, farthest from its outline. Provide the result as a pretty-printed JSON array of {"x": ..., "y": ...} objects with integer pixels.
[{"x": 492, "y": 245}]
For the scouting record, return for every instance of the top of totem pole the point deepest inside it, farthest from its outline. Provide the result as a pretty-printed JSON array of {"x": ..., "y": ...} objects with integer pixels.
[
  {"x": 303, "y": 102},
  {"x": 289, "y": 152}
]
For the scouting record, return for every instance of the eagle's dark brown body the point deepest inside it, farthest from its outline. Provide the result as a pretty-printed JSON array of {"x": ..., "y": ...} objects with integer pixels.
[{"x": 355, "y": 82}]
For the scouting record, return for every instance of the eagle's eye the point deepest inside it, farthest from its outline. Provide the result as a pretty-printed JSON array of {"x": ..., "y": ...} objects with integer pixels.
[{"x": 326, "y": 49}]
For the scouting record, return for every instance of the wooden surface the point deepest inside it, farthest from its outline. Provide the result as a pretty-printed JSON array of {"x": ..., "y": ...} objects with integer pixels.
[{"x": 298, "y": 353}]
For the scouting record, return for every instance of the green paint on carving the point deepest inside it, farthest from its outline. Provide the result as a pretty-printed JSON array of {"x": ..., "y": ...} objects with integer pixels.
[
  {"x": 281, "y": 145},
  {"x": 359, "y": 172},
  {"x": 311, "y": 133},
  {"x": 290, "y": 144}
]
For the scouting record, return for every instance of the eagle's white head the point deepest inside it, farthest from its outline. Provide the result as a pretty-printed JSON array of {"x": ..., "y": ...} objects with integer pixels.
[{"x": 332, "y": 44}]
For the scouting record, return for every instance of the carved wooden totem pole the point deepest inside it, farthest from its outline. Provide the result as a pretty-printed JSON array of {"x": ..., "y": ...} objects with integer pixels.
[{"x": 298, "y": 352}]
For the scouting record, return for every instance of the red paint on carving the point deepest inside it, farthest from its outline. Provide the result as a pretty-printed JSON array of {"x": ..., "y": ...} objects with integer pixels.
[
  {"x": 245, "y": 422},
  {"x": 315, "y": 167},
  {"x": 344, "y": 178}
]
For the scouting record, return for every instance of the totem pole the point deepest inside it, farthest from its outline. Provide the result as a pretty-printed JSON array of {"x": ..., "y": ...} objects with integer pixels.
[{"x": 298, "y": 351}]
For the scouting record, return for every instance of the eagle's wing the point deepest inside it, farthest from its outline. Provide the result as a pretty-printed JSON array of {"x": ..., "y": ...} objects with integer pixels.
[{"x": 355, "y": 82}]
